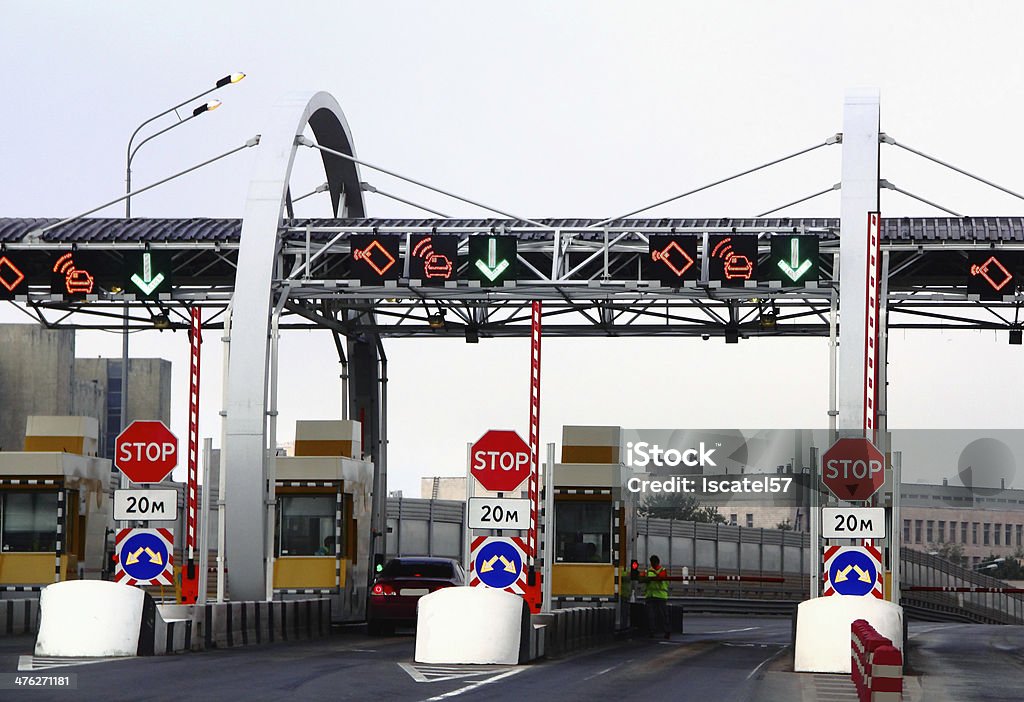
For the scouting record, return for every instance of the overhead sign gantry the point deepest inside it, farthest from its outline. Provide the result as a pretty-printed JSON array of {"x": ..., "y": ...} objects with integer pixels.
[{"x": 370, "y": 278}]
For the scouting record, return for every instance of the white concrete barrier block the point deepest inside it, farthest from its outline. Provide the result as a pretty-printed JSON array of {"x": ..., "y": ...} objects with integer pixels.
[
  {"x": 89, "y": 618},
  {"x": 469, "y": 625},
  {"x": 823, "y": 630}
]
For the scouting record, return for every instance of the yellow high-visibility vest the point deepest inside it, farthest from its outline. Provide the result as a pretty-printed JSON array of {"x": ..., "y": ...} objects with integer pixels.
[{"x": 656, "y": 587}]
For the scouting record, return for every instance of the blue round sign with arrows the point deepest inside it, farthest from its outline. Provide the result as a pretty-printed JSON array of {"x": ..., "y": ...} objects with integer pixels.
[
  {"x": 498, "y": 564},
  {"x": 144, "y": 556},
  {"x": 852, "y": 572}
]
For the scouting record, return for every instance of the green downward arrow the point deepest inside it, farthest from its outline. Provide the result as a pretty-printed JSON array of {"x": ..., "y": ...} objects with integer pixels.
[
  {"x": 493, "y": 268},
  {"x": 148, "y": 282},
  {"x": 794, "y": 269}
]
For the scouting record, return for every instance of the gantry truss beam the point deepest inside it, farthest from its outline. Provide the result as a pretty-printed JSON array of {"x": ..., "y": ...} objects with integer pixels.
[{"x": 590, "y": 279}]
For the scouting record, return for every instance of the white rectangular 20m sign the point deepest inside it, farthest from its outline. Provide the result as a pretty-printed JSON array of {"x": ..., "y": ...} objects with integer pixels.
[
  {"x": 499, "y": 513},
  {"x": 156, "y": 505},
  {"x": 853, "y": 522}
]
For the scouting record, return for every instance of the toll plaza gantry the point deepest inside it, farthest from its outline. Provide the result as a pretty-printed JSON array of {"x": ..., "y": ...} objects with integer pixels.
[{"x": 370, "y": 279}]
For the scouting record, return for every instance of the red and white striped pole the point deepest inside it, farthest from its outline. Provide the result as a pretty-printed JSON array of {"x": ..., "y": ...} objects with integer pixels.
[
  {"x": 534, "y": 493},
  {"x": 874, "y": 264},
  {"x": 190, "y": 577}
]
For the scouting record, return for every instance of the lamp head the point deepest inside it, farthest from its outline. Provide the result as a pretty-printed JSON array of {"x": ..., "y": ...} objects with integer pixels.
[
  {"x": 207, "y": 107},
  {"x": 229, "y": 79}
]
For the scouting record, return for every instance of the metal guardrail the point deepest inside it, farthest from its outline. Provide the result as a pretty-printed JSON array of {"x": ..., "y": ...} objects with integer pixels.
[{"x": 435, "y": 527}]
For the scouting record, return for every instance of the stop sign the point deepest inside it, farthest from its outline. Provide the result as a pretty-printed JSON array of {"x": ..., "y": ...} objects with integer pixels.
[
  {"x": 146, "y": 451},
  {"x": 853, "y": 469},
  {"x": 500, "y": 460}
]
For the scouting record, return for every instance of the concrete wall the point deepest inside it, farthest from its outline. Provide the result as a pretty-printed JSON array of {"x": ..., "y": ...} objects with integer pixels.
[{"x": 36, "y": 377}]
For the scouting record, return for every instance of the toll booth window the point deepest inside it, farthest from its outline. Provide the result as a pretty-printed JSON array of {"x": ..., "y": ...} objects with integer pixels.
[
  {"x": 29, "y": 522},
  {"x": 306, "y": 525},
  {"x": 583, "y": 532}
]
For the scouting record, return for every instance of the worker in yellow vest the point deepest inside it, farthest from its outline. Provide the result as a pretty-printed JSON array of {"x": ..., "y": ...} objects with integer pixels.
[{"x": 656, "y": 595}]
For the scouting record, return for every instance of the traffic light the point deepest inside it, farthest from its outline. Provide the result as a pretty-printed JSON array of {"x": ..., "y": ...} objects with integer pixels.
[
  {"x": 492, "y": 259},
  {"x": 375, "y": 258},
  {"x": 12, "y": 277},
  {"x": 73, "y": 275},
  {"x": 378, "y": 563},
  {"x": 732, "y": 259},
  {"x": 147, "y": 273},
  {"x": 992, "y": 274},
  {"x": 794, "y": 259},
  {"x": 634, "y": 569},
  {"x": 433, "y": 259},
  {"x": 671, "y": 259}
]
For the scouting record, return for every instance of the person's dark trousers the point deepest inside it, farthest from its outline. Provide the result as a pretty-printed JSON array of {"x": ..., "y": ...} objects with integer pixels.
[{"x": 657, "y": 616}]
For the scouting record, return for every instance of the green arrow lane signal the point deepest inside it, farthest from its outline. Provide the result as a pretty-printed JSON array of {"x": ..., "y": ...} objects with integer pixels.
[
  {"x": 148, "y": 282},
  {"x": 795, "y": 269},
  {"x": 493, "y": 268}
]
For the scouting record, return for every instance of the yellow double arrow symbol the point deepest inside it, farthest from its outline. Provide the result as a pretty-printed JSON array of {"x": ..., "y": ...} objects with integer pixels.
[
  {"x": 488, "y": 566},
  {"x": 843, "y": 574},
  {"x": 154, "y": 558}
]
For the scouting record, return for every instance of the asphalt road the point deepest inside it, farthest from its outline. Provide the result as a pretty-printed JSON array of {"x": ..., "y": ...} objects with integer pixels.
[
  {"x": 968, "y": 662},
  {"x": 717, "y": 659}
]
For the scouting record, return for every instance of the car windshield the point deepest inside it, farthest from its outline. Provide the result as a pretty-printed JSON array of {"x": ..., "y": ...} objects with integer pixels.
[{"x": 417, "y": 569}]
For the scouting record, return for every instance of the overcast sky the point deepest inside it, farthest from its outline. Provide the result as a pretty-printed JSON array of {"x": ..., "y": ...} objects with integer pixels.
[{"x": 583, "y": 109}]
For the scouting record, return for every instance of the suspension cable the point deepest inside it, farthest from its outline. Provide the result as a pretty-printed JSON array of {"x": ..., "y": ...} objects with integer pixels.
[{"x": 886, "y": 139}]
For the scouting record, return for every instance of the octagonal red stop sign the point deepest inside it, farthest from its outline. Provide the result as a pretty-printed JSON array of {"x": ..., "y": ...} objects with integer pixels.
[
  {"x": 853, "y": 469},
  {"x": 500, "y": 460},
  {"x": 146, "y": 451}
]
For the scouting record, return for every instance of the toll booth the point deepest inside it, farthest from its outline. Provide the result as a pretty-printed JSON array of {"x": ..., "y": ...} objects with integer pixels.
[
  {"x": 322, "y": 518},
  {"x": 54, "y": 506},
  {"x": 594, "y": 521}
]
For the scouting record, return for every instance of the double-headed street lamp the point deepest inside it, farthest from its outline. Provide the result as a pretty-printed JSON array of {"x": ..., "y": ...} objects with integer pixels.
[{"x": 206, "y": 107}]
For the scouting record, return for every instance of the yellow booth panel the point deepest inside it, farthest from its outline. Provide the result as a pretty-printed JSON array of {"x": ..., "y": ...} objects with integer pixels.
[
  {"x": 324, "y": 447},
  {"x": 29, "y": 568},
  {"x": 306, "y": 572},
  {"x": 582, "y": 579},
  {"x": 590, "y": 454},
  {"x": 55, "y": 444}
]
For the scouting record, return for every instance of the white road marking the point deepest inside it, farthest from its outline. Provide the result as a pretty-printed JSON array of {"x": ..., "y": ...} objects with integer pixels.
[
  {"x": 43, "y": 662},
  {"x": 728, "y": 631},
  {"x": 765, "y": 661},
  {"x": 606, "y": 670},
  {"x": 474, "y": 685},
  {"x": 427, "y": 673}
]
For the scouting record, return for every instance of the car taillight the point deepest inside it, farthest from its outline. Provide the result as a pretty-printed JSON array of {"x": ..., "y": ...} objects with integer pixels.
[{"x": 383, "y": 589}]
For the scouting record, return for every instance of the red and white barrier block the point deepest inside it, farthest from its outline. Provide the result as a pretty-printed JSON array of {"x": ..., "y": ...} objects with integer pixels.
[{"x": 876, "y": 665}]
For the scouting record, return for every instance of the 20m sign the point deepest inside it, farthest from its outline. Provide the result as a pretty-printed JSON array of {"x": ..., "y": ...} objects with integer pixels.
[
  {"x": 499, "y": 513},
  {"x": 155, "y": 505}
]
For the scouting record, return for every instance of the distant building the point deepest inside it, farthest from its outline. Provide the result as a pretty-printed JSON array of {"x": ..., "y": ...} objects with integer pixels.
[
  {"x": 149, "y": 392},
  {"x": 443, "y": 488},
  {"x": 39, "y": 375},
  {"x": 454, "y": 488},
  {"x": 982, "y": 522}
]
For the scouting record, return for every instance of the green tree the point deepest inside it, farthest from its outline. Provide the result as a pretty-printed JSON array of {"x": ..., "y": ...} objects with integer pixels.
[
  {"x": 1001, "y": 567},
  {"x": 950, "y": 551},
  {"x": 784, "y": 526},
  {"x": 669, "y": 505}
]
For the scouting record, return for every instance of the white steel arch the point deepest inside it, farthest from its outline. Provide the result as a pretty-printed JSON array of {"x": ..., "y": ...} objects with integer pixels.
[{"x": 244, "y": 451}]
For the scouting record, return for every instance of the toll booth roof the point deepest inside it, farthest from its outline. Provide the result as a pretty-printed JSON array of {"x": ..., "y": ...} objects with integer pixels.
[{"x": 49, "y": 463}]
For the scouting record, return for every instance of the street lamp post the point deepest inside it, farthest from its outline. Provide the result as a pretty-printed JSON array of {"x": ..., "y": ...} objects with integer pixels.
[
  {"x": 226, "y": 80},
  {"x": 206, "y": 107}
]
